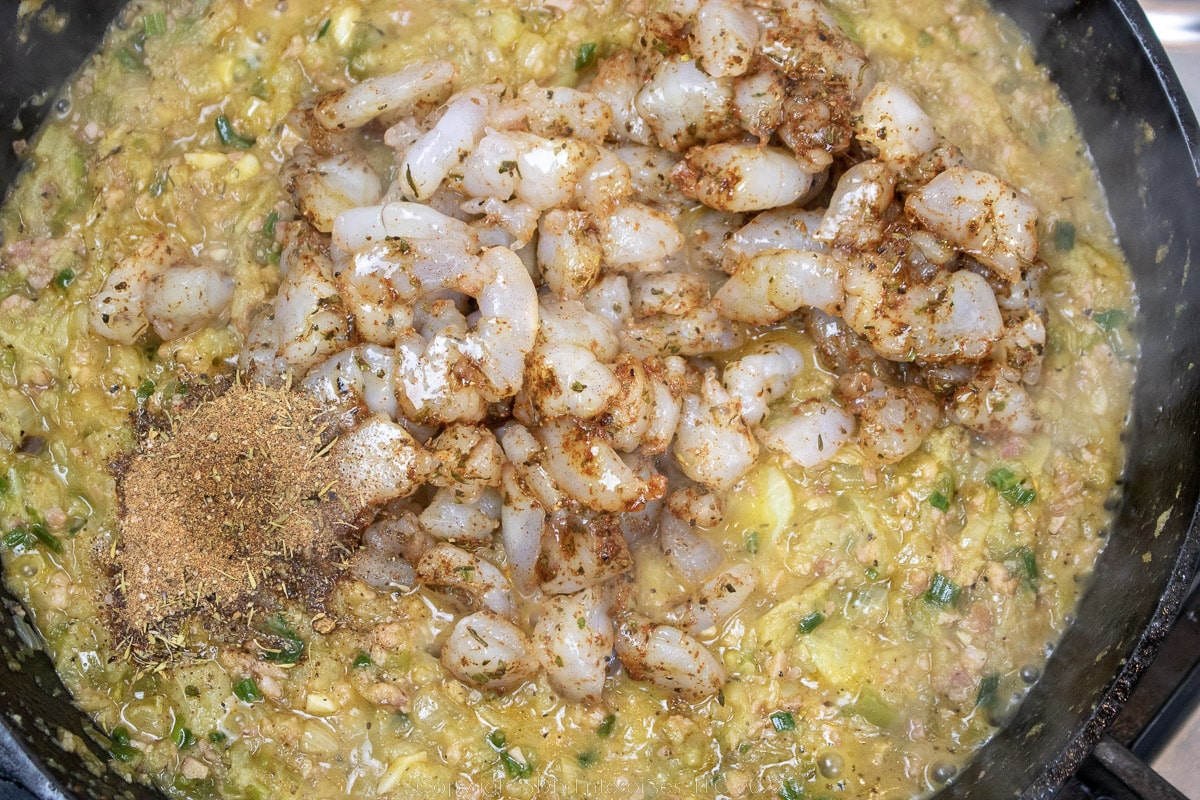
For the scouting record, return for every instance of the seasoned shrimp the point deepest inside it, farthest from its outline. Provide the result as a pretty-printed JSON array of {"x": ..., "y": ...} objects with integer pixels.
[
  {"x": 187, "y": 298},
  {"x": 116, "y": 311},
  {"x": 760, "y": 376},
  {"x": 716, "y": 601},
  {"x": 739, "y": 177},
  {"x": 429, "y": 159},
  {"x": 953, "y": 317},
  {"x": 724, "y": 37},
  {"x": 712, "y": 444},
  {"x": 478, "y": 582},
  {"x": 981, "y": 214},
  {"x": 363, "y": 102},
  {"x": 774, "y": 283},
  {"x": 893, "y": 122},
  {"x": 489, "y": 652},
  {"x": 812, "y": 435},
  {"x": 580, "y": 551},
  {"x": 585, "y": 466},
  {"x": 893, "y": 420},
  {"x": 574, "y": 643},
  {"x": 326, "y": 187},
  {"x": 381, "y": 462},
  {"x": 683, "y": 106},
  {"x": 668, "y": 658}
]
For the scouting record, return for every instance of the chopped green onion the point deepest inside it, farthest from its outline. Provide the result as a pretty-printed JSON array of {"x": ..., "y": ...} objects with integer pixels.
[
  {"x": 752, "y": 543},
  {"x": 154, "y": 24},
  {"x": 247, "y": 691},
  {"x": 589, "y": 758},
  {"x": 216, "y": 737},
  {"x": 783, "y": 721},
  {"x": 324, "y": 28},
  {"x": 942, "y": 591},
  {"x": 292, "y": 649},
  {"x": 122, "y": 747},
  {"x": 40, "y": 532},
  {"x": 1109, "y": 320},
  {"x": 129, "y": 61},
  {"x": 361, "y": 660},
  {"x": 1064, "y": 235},
  {"x": 939, "y": 501},
  {"x": 497, "y": 739},
  {"x": 790, "y": 790},
  {"x": 191, "y": 690},
  {"x": 231, "y": 138},
  {"x": 809, "y": 623},
  {"x": 586, "y": 56},
  {"x": 988, "y": 689},
  {"x": 64, "y": 278},
  {"x": 181, "y": 735},
  {"x": 18, "y": 537},
  {"x": 1010, "y": 487},
  {"x": 872, "y": 573},
  {"x": 1028, "y": 563},
  {"x": 606, "y": 726},
  {"x": 514, "y": 768},
  {"x": 144, "y": 391}
]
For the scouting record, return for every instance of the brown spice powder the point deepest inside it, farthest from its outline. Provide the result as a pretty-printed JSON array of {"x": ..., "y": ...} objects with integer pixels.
[{"x": 232, "y": 507}]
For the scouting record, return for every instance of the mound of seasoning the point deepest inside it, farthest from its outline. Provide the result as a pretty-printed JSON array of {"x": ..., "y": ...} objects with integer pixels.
[{"x": 224, "y": 512}]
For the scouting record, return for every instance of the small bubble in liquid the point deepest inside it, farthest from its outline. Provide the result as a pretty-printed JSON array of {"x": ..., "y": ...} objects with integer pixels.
[
  {"x": 1029, "y": 673},
  {"x": 29, "y": 570},
  {"x": 942, "y": 772},
  {"x": 830, "y": 764},
  {"x": 62, "y": 106}
]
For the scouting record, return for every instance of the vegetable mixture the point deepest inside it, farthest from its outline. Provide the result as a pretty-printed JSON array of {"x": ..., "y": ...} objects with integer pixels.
[{"x": 577, "y": 399}]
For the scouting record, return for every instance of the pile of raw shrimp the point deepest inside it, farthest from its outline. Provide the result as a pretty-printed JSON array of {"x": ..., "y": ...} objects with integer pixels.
[{"x": 520, "y": 310}]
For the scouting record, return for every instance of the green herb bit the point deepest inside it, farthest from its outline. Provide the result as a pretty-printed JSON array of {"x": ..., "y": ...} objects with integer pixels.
[
  {"x": 783, "y": 721},
  {"x": 268, "y": 228},
  {"x": 191, "y": 690},
  {"x": 1028, "y": 563},
  {"x": 154, "y": 24},
  {"x": 182, "y": 736},
  {"x": 942, "y": 591},
  {"x": 752, "y": 543},
  {"x": 872, "y": 573},
  {"x": 939, "y": 501},
  {"x": 1010, "y": 487},
  {"x": 514, "y": 768},
  {"x": 586, "y": 56},
  {"x": 1064, "y": 235},
  {"x": 216, "y": 737},
  {"x": 292, "y": 649},
  {"x": 790, "y": 790},
  {"x": 144, "y": 391},
  {"x": 606, "y": 726},
  {"x": 130, "y": 61},
  {"x": 159, "y": 186},
  {"x": 497, "y": 739},
  {"x": 989, "y": 687},
  {"x": 324, "y": 29},
  {"x": 361, "y": 660},
  {"x": 1109, "y": 320},
  {"x": 247, "y": 691},
  {"x": 122, "y": 747},
  {"x": 40, "y": 532},
  {"x": 588, "y": 758},
  {"x": 924, "y": 39},
  {"x": 231, "y": 138},
  {"x": 18, "y": 537},
  {"x": 810, "y": 623}
]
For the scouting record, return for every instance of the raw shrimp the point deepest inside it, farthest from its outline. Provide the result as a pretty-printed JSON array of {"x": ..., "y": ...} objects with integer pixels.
[
  {"x": 716, "y": 601},
  {"x": 683, "y": 106},
  {"x": 893, "y": 122},
  {"x": 327, "y": 187},
  {"x": 741, "y": 177},
  {"x": 187, "y": 298},
  {"x": 361, "y": 376},
  {"x": 760, "y": 376},
  {"x": 429, "y": 159},
  {"x": 579, "y": 551},
  {"x": 574, "y": 643},
  {"x": 953, "y": 317},
  {"x": 447, "y": 568},
  {"x": 981, "y": 214},
  {"x": 812, "y": 435},
  {"x": 363, "y": 102},
  {"x": 489, "y": 652},
  {"x": 585, "y": 466},
  {"x": 773, "y": 283},
  {"x": 893, "y": 420},
  {"x": 668, "y": 658},
  {"x": 380, "y": 461},
  {"x": 724, "y": 37}
]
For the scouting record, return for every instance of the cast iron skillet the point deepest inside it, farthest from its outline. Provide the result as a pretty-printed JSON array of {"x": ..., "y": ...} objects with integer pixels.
[{"x": 1144, "y": 138}]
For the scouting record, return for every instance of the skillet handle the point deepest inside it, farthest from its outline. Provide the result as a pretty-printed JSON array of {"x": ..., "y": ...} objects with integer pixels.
[{"x": 1134, "y": 773}]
